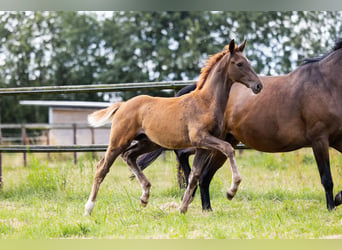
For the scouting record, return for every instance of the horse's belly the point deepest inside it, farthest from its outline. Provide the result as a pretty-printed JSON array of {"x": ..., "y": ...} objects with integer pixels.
[
  {"x": 271, "y": 146},
  {"x": 271, "y": 141}
]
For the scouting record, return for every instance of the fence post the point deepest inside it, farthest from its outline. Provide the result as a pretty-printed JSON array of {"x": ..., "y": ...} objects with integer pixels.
[
  {"x": 48, "y": 142},
  {"x": 0, "y": 160},
  {"x": 92, "y": 140},
  {"x": 23, "y": 140},
  {"x": 75, "y": 141}
]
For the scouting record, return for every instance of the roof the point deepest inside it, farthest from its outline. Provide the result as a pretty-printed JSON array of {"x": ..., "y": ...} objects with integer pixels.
[{"x": 66, "y": 104}]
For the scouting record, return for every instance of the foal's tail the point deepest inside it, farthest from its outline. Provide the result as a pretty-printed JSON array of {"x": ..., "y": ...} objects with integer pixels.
[{"x": 103, "y": 116}]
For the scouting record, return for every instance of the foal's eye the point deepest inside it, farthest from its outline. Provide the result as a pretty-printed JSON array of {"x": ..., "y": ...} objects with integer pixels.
[{"x": 239, "y": 64}]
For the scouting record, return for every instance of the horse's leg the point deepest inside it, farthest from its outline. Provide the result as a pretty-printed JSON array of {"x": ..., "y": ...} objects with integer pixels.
[
  {"x": 338, "y": 198},
  {"x": 130, "y": 156},
  {"x": 142, "y": 147},
  {"x": 227, "y": 149},
  {"x": 182, "y": 156},
  {"x": 236, "y": 177},
  {"x": 201, "y": 139},
  {"x": 321, "y": 152},
  {"x": 183, "y": 168},
  {"x": 122, "y": 133},
  {"x": 215, "y": 162},
  {"x": 145, "y": 160},
  {"x": 149, "y": 151},
  {"x": 199, "y": 162},
  {"x": 101, "y": 171}
]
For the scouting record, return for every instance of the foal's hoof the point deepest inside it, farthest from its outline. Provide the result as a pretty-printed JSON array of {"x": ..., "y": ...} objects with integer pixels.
[
  {"x": 229, "y": 196},
  {"x": 183, "y": 210},
  {"x": 338, "y": 199},
  {"x": 143, "y": 203}
]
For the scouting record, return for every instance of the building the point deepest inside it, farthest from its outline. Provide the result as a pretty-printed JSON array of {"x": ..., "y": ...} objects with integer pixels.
[{"x": 62, "y": 116}]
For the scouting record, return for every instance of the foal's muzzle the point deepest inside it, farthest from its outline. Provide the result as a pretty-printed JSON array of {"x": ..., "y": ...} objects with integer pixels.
[{"x": 257, "y": 88}]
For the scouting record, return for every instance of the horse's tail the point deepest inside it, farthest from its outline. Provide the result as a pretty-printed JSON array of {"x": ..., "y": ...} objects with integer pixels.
[
  {"x": 103, "y": 116},
  {"x": 145, "y": 160}
]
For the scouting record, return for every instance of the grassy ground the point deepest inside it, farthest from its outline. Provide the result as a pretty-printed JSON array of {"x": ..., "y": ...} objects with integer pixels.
[{"x": 280, "y": 197}]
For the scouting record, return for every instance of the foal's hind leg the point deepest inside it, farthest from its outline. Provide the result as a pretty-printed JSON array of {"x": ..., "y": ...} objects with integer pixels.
[
  {"x": 130, "y": 156},
  {"x": 122, "y": 134},
  {"x": 101, "y": 171}
]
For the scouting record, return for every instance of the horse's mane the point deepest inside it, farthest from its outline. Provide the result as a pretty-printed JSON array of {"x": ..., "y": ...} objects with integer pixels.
[
  {"x": 209, "y": 65},
  {"x": 338, "y": 45}
]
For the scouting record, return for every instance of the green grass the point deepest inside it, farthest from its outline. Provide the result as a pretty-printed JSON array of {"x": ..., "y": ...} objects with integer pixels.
[{"x": 280, "y": 197}]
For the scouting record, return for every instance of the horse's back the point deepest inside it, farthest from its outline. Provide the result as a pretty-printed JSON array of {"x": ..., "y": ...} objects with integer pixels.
[{"x": 270, "y": 121}]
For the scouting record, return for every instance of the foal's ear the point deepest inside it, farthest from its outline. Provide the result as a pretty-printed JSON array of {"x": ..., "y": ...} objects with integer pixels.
[
  {"x": 232, "y": 46},
  {"x": 242, "y": 46}
]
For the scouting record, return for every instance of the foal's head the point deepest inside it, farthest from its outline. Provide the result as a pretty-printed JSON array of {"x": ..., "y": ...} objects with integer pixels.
[{"x": 239, "y": 68}]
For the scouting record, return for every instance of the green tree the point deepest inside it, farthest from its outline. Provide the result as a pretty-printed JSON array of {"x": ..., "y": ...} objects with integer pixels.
[
  {"x": 64, "y": 48},
  {"x": 21, "y": 58},
  {"x": 46, "y": 48}
]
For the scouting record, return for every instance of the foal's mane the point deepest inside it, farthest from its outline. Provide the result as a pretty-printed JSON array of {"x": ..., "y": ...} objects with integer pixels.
[
  {"x": 209, "y": 65},
  {"x": 338, "y": 45}
]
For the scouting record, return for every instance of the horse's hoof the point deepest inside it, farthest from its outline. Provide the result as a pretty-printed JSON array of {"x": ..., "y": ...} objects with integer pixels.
[
  {"x": 229, "y": 196},
  {"x": 338, "y": 199},
  {"x": 182, "y": 210},
  {"x": 143, "y": 203},
  {"x": 89, "y": 208},
  {"x": 207, "y": 210}
]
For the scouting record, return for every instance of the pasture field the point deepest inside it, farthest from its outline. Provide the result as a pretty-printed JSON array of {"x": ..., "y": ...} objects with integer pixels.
[{"x": 280, "y": 197}]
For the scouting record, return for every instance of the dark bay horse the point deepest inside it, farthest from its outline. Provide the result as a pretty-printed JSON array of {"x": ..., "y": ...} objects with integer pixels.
[
  {"x": 300, "y": 109},
  {"x": 194, "y": 119}
]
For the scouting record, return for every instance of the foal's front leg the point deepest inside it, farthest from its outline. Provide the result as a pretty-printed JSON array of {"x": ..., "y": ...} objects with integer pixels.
[
  {"x": 101, "y": 171},
  {"x": 210, "y": 142},
  {"x": 227, "y": 149},
  {"x": 236, "y": 178}
]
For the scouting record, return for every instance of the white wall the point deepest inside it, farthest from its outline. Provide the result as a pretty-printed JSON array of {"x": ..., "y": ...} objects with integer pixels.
[{"x": 78, "y": 116}]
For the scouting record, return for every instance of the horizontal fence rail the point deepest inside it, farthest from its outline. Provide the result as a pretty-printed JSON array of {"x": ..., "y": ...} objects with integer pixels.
[
  {"x": 51, "y": 148},
  {"x": 43, "y": 126},
  {"x": 96, "y": 88},
  {"x": 63, "y": 148}
]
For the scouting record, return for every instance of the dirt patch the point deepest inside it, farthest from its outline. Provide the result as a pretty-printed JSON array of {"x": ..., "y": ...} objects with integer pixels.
[
  {"x": 14, "y": 223},
  {"x": 170, "y": 206},
  {"x": 333, "y": 237}
]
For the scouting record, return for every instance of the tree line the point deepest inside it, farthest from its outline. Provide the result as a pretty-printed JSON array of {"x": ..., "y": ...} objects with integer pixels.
[{"x": 66, "y": 48}]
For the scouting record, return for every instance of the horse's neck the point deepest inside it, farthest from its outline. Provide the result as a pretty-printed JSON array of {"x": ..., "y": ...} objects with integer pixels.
[
  {"x": 216, "y": 90},
  {"x": 331, "y": 69}
]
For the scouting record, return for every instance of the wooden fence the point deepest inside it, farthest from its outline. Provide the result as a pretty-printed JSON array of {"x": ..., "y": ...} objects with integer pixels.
[{"x": 27, "y": 142}]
